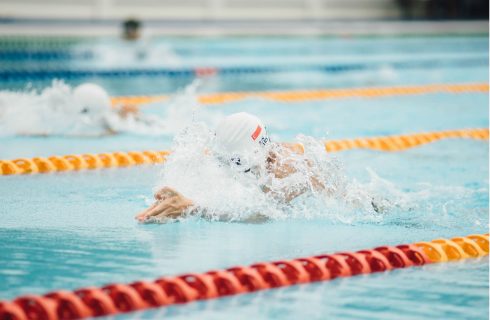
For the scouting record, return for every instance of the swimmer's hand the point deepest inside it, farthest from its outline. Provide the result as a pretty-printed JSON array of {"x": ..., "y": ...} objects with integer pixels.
[{"x": 169, "y": 204}]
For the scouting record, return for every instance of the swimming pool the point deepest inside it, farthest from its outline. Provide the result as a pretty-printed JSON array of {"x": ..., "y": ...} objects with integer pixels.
[{"x": 76, "y": 229}]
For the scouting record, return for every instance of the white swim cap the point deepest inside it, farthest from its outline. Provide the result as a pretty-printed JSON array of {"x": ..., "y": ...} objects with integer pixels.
[
  {"x": 241, "y": 134},
  {"x": 92, "y": 98}
]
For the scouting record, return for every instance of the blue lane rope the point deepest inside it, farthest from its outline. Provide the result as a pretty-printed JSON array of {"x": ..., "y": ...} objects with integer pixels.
[
  {"x": 45, "y": 55},
  {"x": 40, "y": 74},
  {"x": 21, "y": 54}
]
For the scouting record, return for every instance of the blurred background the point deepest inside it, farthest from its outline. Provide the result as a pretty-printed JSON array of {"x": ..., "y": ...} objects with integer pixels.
[
  {"x": 240, "y": 16},
  {"x": 154, "y": 47},
  {"x": 199, "y": 10}
]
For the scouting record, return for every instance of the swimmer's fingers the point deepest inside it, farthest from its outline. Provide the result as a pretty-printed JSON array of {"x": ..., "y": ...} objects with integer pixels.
[
  {"x": 157, "y": 211},
  {"x": 171, "y": 212},
  {"x": 162, "y": 210},
  {"x": 142, "y": 215},
  {"x": 171, "y": 208}
]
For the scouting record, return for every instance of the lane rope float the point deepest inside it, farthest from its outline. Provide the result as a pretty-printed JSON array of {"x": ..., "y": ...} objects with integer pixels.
[
  {"x": 22, "y": 74},
  {"x": 403, "y": 142},
  {"x": 119, "y": 298},
  {"x": 313, "y": 95},
  {"x": 75, "y": 162}
]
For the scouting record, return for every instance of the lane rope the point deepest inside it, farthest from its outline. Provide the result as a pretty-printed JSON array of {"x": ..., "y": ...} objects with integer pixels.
[
  {"x": 22, "y": 74},
  {"x": 75, "y": 162},
  {"x": 119, "y": 298},
  {"x": 312, "y": 95},
  {"x": 45, "y": 51}
]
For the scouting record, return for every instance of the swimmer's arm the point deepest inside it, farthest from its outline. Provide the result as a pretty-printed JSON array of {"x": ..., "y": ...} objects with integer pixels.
[
  {"x": 293, "y": 147},
  {"x": 285, "y": 169},
  {"x": 300, "y": 149},
  {"x": 287, "y": 194},
  {"x": 126, "y": 110},
  {"x": 292, "y": 192}
]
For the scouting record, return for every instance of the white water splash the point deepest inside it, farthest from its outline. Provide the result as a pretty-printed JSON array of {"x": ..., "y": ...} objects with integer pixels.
[
  {"x": 49, "y": 112},
  {"x": 55, "y": 111},
  {"x": 224, "y": 193},
  {"x": 184, "y": 109}
]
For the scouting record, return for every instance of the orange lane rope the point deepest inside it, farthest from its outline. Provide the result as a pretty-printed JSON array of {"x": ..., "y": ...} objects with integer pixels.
[
  {"x": 311, "y": 95},
  {"x": 403, "y": 142},
  {"x": 118, "y": 298},
  {"x": 124, "y": 159}
]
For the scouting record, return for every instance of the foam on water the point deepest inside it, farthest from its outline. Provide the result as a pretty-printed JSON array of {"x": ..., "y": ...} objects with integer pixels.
[
  {"x": 55, "y": 111},
  {"x": 184, "y": 109},
  {"x": 224, "y": 192},
  {"x": 31, "y": 113}
]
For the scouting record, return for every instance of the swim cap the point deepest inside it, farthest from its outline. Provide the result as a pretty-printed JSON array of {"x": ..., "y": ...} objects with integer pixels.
[
  {"x": 92, "y": 98},
  {"x": 241, "y": 134}
]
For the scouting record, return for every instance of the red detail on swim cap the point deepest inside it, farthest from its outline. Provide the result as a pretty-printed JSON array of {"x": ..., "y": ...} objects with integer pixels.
[{"x": 256, "y": 133}]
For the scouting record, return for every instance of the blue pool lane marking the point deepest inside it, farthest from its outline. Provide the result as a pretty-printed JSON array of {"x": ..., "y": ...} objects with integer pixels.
[{"x": 23, "y": 74}]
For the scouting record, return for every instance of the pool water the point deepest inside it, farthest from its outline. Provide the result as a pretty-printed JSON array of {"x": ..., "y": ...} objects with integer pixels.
[
  {"x": 75, "y": 229},
  {"x": 383, "y": 61}
]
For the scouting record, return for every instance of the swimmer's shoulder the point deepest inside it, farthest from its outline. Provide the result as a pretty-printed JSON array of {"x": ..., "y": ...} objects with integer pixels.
[{"x": 298, "y": 148}]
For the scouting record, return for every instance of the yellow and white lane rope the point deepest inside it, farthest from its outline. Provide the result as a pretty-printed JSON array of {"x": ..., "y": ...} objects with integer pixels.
[
  {"x": 312, "y": 95},
  {"x": 125, "y": 159}
]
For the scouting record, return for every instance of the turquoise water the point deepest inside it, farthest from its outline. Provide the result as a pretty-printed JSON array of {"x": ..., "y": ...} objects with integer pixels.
[
  {"x": 69, "y": 230},
  {"x": 108, "y": 54}
]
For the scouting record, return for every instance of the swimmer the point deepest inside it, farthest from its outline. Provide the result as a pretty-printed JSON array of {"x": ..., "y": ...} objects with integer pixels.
[
  {"x": 131, "y": 29},
  {"x": 84, "y": 111},
  {"x": 96, "y": 109},
  {"x": 243, "y": 144}
]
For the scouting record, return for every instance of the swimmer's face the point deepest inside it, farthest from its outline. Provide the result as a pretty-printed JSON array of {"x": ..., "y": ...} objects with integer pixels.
[
  {"x": 131, "y": 35},
  {"x": 249, "y": 162},
  {"x": 240, "y": 165},
  {"x": 92, "y": 116},
  {"x": 92, "y": 111}
]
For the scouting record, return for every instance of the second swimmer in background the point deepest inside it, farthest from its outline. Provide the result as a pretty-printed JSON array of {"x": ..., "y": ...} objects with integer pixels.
[
  {"x": 85, "y": 110},
  {"x": 96, "y": 110}
]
